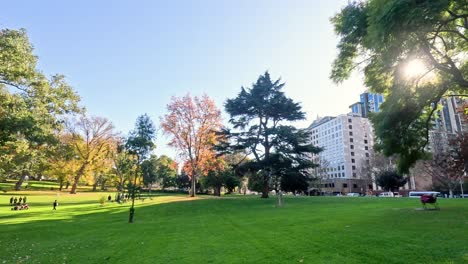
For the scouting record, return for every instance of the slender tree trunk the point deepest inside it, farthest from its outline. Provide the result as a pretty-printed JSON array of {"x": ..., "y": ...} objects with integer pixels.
[
  {"x": 132, "y": 209},
  {"x": 77, "y": 178},
  {"x": 95, "y": 186},
  {"x": 67, "y": 185},
  {"x": 20, "y": 181},
  {"x": 193, "y": 190},
  {"x": 61, "y": 185}
]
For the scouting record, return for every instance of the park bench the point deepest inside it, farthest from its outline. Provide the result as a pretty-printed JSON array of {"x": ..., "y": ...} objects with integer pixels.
[{"x": 429, "y": 199}]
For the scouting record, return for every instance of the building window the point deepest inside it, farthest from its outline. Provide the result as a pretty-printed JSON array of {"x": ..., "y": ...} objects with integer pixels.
[
  {"x": 365, "y": 141},
  {"x": 342, "y": 174},
  {"x": 350, "y": 120},
  {"x": 351, "y": 140},
  {"x": 342, "y": 167},
  {"x": 354, "y": 185},
  {"x": 367, "y": 154},
  {"x": 350, "y": 127},
  {"x": 354, "y": 167},
  {"x": 366, "y": 148},
  {"x": 368, "y": 162},
  {"x": 354, "y": 175},
  {"x": 345, "y": 185},
  {"x": 353, "y": 161},
  {"x": 351, "y": 146},
  {"x": 350, "y": 133},
  {"x": 352, "y": 153},
  {"x": 333, "y": 185}
]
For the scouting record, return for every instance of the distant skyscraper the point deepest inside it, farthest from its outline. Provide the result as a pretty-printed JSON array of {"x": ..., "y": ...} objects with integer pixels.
[{"x": 369, "y": 102}]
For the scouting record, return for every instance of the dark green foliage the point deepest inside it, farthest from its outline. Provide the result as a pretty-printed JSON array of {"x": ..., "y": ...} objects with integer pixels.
[
  {"x": 258, "y": 115},
  {"x": 390, "y": 180},
  {"x": 294, "y": 182},
  {"x": 255, "y": 182},
  {"x": 148, "y": 170},
  {"x": 140, "y": 142},
  {"x": 182, "y": 181},
  {"x": 231, "y": 181},
  {"x": 385, "y": 36},
  {"x": 221, "y": 178}
]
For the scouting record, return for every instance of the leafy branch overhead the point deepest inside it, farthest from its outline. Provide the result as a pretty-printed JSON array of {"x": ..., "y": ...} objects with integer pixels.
[{"x": 384, "y": 38}]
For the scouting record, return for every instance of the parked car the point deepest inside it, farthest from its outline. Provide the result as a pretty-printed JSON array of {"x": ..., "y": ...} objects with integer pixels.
[{"x": 353, "y": 194}]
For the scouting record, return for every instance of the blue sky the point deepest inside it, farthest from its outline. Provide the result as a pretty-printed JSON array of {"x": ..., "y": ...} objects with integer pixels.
[{"x": 126, "y": 58}]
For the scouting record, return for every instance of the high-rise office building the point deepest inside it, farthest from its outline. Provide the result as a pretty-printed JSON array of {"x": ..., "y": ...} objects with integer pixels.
[
  {"x": 369, "y": 102},
  {"x": 347, "y": 142}
]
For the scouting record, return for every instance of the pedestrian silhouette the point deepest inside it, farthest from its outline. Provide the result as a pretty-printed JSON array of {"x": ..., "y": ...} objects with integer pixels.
[
  {"x": 55, "y": 205},
  {"x": 21, "y": 199},
  {"x": 24, "y": 199},
  {"x": 11, "y": 200},
  {"x": 15, "y": 200}
]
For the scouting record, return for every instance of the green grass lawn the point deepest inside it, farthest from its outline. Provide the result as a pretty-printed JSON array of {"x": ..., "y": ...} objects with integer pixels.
[{"x": 176, "y": 229}]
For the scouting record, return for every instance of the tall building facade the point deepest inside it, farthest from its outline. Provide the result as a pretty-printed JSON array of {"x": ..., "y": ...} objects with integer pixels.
[{"x": 347, "y": 142}]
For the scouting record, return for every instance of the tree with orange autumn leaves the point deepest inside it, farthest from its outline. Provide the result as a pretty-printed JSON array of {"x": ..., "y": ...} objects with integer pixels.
[{"x": 192, "y": 122}]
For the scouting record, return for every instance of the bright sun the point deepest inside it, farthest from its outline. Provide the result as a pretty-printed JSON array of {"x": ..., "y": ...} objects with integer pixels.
[{"x": 415, "y": 68}]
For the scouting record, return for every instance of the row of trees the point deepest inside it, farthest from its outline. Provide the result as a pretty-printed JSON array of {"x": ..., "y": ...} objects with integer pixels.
[{"x": 45, "y": 133}]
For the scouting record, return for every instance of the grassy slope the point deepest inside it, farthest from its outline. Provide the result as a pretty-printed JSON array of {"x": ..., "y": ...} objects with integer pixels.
[{"x": 172, "y": 229}]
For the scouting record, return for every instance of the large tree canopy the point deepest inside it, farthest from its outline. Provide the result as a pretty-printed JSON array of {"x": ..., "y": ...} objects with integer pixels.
[
  {"x": 415, "y": 52},
  {"x": 258, "y": 116},
  {"x": 192, "y": 124},
  {"x": 32, "y": 108}
]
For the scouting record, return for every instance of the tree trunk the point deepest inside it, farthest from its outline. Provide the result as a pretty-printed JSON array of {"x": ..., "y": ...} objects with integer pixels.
[
  {"x": 266, "y": 187},
  {"x": 103, "y": 185},
  {"x": 95, "y": 186},
  {"x": 193, "y": 190},
  {"x": 20, "y": 181},
  {"x": 217, "y": 191},
  {"x": 61, "y": 185},
  {"x": 66, "y": 186},
  {"x": 77, "y": 178}
]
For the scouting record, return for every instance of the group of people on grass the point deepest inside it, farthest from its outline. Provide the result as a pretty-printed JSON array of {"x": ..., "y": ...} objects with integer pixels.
[
  {"x": 120, "y": 197},
  {"x": 19, "y": 204}
]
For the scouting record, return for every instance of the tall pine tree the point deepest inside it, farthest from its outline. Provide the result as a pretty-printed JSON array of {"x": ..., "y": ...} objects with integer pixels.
[{"x": 258, "y": 116}]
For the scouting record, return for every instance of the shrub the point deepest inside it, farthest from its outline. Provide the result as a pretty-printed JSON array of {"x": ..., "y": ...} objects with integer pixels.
[{"x": 102, "y": 200}]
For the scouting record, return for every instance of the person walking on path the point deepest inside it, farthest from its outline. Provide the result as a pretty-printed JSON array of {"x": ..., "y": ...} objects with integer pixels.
[
  {"x": 24, "y": 199},
  {"x": 109, "y": 198},
  {"x": 11, "y": 200},
  {"x": 20, "y": 200},
  {"x": 55, "y": 205},
  {"x": 15, "y": 201}
]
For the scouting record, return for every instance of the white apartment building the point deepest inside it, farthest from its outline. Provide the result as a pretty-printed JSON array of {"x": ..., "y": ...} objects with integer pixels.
[{"x": 347, "y": 142}]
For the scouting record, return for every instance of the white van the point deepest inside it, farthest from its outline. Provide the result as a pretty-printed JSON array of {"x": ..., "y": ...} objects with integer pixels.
[{"x": 420, "y": 193}]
